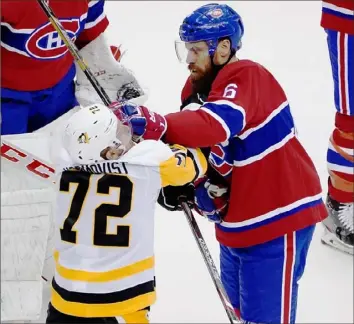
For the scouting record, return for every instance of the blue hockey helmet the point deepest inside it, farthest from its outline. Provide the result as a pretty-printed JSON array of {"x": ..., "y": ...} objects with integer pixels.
[{"x": 210, "y": 23}]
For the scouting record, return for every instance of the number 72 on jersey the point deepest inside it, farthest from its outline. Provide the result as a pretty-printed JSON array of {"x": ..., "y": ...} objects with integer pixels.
[{"x": 88, "y": 187}]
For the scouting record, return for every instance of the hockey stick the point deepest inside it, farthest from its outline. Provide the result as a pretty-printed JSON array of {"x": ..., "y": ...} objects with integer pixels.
[
  {"x": 213, "y": 271},
  {"x": 74, "y": 51}
]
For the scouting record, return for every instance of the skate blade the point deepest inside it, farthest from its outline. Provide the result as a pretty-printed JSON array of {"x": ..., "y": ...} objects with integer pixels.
[{"x": 333, "y": 241}]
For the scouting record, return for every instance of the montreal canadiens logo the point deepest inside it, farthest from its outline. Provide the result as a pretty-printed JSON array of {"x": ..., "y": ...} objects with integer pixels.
[
  {"x": 216, "y": 13},
  {"x": 45, "y": 42}
]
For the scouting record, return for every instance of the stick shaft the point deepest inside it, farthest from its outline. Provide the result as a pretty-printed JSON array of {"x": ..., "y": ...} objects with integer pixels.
[{"x": 74, "y": 51}]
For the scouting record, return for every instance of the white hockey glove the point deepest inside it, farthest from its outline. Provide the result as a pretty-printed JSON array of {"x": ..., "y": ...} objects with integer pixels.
[{"x": 118, "y": 82}]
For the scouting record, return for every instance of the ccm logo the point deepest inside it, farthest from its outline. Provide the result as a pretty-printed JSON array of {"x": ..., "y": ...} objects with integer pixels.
[{"x": 35, "y": 166}]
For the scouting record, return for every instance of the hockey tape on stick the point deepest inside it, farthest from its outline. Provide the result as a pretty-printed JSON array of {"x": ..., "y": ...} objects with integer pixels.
[
  {"x": 27, "y": 162},
  {"x": 213, "y": 271},
  {"x": 74, "y": 51}
]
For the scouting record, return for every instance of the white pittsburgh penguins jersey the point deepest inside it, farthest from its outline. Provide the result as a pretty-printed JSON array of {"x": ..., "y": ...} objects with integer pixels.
[{"x": 105, "y": 228}]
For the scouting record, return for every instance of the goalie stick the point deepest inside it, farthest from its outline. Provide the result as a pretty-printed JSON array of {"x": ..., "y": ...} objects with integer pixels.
[
  {"x": 74, "y": 51},
  {"x": 213, "y": 271}
]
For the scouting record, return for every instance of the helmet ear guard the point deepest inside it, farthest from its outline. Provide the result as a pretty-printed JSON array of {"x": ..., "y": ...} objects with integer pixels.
[{"x": 212, "y": 45}]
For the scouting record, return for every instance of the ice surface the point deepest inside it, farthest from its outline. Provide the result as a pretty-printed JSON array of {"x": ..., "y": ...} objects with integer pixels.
[{"x": 286, "y": 38}]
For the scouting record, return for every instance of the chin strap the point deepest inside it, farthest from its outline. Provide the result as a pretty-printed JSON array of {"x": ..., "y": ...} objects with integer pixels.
[{"x": 219, "y": 67}]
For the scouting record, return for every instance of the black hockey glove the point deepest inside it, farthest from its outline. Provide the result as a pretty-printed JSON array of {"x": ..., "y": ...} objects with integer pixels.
[
  {"x": 198, "y": 98},
  {"x": 170, "y": 196}
]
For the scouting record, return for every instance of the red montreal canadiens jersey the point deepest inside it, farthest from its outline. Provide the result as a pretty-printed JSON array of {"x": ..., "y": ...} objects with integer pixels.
[
  {"x": 33, "y": 57},
  {"x": 274, "y": 186},
  {"x": 338, "y": 15}
]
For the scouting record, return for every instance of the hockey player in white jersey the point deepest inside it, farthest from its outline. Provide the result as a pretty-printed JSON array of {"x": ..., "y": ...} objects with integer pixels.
[{"x": 107, "y": 188}]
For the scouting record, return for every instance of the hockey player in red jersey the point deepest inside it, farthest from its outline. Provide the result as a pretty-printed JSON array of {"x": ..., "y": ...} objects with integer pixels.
[
  {"x": 266, "y": 198},
  {"x": 37, "y": 70},
  {"x": 338, "y": 22}
]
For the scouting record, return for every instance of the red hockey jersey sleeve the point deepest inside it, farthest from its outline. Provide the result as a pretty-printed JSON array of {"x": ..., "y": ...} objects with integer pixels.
[
  {"x": 224, "y": 115},
  {"x": 338, "y": 15},
  {"x": 96, "y": 23}
]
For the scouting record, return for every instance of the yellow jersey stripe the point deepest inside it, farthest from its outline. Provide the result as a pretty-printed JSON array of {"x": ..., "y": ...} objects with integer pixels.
[
  {"x": 116, "y": 274},
  {"x": 200, "y": 162},
  {"x": 141, "y": 317},
  {"x": 102, "y": 310}
]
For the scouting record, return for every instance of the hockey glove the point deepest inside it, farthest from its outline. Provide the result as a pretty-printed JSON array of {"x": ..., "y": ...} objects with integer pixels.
[
  {"x": 145, "y": 124},
  {"x": 118, "y": 82},
  {"x": 170, "y": 196},
  {"x": 210, "y": 201}
]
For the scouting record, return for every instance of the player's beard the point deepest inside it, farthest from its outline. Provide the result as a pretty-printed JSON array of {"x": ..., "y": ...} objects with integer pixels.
[{"x": 204, "y": 78}]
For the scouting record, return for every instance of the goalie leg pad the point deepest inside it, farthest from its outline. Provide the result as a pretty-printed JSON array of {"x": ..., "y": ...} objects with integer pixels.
[
  {"x": 26, "y": 209},
  {"x": 24, "y": 229}
]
